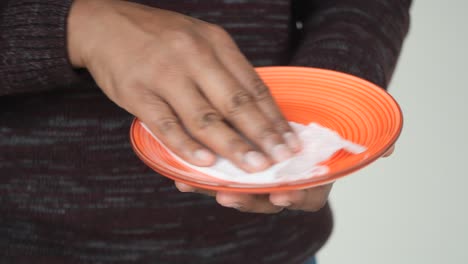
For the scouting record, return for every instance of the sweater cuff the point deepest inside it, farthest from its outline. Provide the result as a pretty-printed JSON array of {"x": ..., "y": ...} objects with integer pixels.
[{"x": 33, "y": 41}]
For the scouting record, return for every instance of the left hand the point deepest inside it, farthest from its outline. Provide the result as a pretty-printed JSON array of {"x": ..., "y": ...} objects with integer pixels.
[{"x": 309, "y": 200}]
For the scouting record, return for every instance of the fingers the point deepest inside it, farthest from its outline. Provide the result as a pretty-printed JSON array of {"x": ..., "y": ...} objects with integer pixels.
[
  {"x": 310, "y": 200},
  {"x": 182, "y": 187},
  {"x": 238, "y": 106},
  {"x": 389, "y": 151},
  {"x": 251, "y": 203},
  {"x": 207, "y": 125},
  {"x": 162, "y": 121},
  {"x": 242, "y": 70}
]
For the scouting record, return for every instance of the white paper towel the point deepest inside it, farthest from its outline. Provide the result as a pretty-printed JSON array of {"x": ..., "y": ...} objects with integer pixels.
[{"x": 319, "y": 144}]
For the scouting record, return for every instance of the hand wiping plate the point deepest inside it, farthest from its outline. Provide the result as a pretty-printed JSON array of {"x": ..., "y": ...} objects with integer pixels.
[{"x": 319, "y": 144}]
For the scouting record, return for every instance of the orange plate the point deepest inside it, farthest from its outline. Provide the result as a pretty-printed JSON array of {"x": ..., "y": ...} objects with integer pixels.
[{"x": 357, "y": 109}]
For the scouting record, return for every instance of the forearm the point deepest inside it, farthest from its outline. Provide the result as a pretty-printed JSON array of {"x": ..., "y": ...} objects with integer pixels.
[
  {"x": 360, "y": 37},
  {"x": 33, "y": 46}
]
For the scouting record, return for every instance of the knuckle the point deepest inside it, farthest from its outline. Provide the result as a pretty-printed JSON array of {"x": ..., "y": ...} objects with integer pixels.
[
  {"x": 238, "y": 100},
  {"x": 260, "y": 90},
  {"x": 217, "y": 32},
  {"x": 281, "y": 125},
  {"x": 180, "y": 38},
  {"x": 184, "y": 42},
  {"x": 268, "y": 132},
  {"x": 219, "y": 35},
  {"x": 206, "y": 119},
  {"x": 166, "y": 125},
  {"x": 125, "y": 84}
]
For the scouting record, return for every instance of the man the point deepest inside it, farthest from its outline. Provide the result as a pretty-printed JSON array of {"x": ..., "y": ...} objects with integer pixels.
[{"x": 71, "y": 188}]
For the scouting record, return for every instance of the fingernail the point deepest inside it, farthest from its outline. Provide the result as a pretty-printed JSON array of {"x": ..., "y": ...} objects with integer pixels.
[
  {"x": 203, "y": 155},
  {"x": 292, "y": 141},
  {"x": 185, "y": 187},
  {"x": 283, "y": 204},
  {"x": 255, "y": 159},
  {"x": 280, "y": 153}
]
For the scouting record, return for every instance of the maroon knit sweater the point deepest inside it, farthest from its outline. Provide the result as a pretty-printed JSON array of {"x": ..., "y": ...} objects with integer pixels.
[{"x": 71, "y": 188}]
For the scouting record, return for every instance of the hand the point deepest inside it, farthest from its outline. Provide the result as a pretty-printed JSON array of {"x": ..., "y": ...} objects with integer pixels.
[
  {"x": 184, "y": 78},
  {"x": 310, "y": 200}
]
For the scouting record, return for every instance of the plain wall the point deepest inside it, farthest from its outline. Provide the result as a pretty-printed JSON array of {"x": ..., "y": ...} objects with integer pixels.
[{"x": 412, "y": 207}]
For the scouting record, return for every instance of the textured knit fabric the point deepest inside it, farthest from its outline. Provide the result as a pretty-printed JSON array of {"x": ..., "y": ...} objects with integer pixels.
[{"x": 71, "y": 188}]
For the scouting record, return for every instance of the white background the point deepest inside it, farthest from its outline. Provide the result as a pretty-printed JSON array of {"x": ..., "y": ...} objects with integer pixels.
[{"x": 412, "y": 207}]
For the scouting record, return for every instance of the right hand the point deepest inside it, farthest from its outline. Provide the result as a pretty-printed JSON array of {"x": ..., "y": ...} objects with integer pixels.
[{"x": 184, "y": 78}]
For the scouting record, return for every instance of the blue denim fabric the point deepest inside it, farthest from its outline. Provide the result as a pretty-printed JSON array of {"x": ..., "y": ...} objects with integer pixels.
[{"x": 312, "y": 260}]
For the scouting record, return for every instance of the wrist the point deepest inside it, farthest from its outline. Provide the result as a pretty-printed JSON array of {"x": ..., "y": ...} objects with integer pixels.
[{"x": 79, "y": 30}]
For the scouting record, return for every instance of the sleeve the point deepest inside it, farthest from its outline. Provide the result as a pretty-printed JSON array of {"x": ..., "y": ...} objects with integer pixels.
[
  {"x": 33, "y": 48},
  {"x": 360, "y": 37}
]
